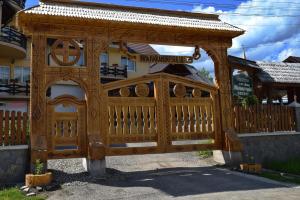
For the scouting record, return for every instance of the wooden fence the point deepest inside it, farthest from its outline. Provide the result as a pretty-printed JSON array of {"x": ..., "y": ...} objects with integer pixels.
[
  {"x": 13, "y": 128},
  {"x": 263, "y": 118}
]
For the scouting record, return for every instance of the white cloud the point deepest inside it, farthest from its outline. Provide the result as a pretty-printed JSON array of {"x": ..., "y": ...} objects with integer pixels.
[
  {"x": 173, "y": 50},
  {"x": 264, "y": 35},
  {"x": 266, "y": 38},
  {"x": 288, "y": 52}
]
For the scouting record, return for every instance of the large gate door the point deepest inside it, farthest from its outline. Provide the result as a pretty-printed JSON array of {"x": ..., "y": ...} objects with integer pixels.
[{"x": 66, "y": 126}]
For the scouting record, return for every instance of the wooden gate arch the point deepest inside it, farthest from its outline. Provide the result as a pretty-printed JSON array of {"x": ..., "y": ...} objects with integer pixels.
[
  {"x": 158, "y": 108},
  {"x": 66, "y": 127}
]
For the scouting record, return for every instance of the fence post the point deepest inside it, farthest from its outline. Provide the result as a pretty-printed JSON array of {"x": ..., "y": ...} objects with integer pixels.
[
  {"x": 161, "y": 94},
  {"x": 296, "y": 107}
]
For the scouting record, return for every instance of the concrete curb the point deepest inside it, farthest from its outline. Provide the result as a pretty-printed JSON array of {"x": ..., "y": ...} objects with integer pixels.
[{"x": 261, "y": 179}]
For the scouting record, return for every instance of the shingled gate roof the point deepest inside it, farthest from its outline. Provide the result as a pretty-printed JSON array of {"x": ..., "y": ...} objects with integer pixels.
[
  {"x": 109, "y": 12},
  {"x": 233, "y": 60},
  {"x": 292, "y": 59},
  {"x": 279, "y": 72},
  {"x": 191, "y": 72}
]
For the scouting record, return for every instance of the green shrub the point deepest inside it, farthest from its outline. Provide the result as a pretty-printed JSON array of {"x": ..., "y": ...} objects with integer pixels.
[
  {"x": 39, "y": 167},
  {"x": 249, "y": 100}
]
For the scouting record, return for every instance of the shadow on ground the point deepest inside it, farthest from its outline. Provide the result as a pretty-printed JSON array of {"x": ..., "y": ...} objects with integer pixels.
[{"x": 173, "y": 181}]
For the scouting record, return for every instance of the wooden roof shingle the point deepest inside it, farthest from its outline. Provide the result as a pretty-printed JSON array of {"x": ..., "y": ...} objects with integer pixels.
[
  {"x": 109, "y": 12},
  {"x": 279, "y": 72}
]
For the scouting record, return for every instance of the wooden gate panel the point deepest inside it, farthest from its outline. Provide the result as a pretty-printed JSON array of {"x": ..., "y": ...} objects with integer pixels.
[
  {"x": 192, "y": 118},
  {"x": 163, "y": 109},
  {"x": 66, "y": 130},
  {"x": 131, "y": 119}
]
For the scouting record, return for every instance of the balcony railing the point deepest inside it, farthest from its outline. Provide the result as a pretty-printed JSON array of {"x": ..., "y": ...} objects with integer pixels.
[
  {"x": 114, "y": 71},
  {"x": 12, "y": 36},
  {"x": 14, "y": 88},
  {"x": 20, "y": 3}
]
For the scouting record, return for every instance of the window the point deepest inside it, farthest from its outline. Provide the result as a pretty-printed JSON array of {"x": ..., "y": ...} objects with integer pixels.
[
  {"x": 103, "y": 59},
  {"x": 4, "y": 74},
  {"x": 131, "y": 65},
  {"x": 21, "y": 74},
  {"x": 126, "y": 62}
]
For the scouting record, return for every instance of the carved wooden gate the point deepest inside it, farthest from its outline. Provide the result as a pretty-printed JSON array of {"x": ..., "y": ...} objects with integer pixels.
[
  {"x": 169, "y": 112},
  {"x": 66, "y": 126}
]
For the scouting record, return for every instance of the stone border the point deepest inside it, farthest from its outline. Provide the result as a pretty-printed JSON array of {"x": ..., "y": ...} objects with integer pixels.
[
  {"x": 15, "y": 164},
  {"x": 279, "y": 133},
  {"x": 14, "y": 147}
]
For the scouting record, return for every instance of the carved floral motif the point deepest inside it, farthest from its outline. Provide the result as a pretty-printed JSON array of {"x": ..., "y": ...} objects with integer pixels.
[
  {"x": 179, "y": 90},
  {"x": 61, "y": 48},
  {"x": 142, "y": 90}
]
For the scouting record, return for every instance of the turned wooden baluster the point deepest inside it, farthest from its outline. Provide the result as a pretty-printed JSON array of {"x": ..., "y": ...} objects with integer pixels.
[
  {"x": 112, "y": 130},
  {"x": 126, "y": 128},
  {"x": 192, "y": 118},
  {"x": 203, "y": 119},
  {"x": 152, "y": 120},
  {"x": 146, "y": 119},
  {"x": 179, "y": 117},
  {"x": 139, "y": 120},
  {"x": 133, "y": 128},
  {"x": 173, "y": 119},
  {"x": 185, "y": 119},
  {"x": 198, "y": 119},
  {"x": 118, "y": 120},
  {"x": 209, "y": 119}
]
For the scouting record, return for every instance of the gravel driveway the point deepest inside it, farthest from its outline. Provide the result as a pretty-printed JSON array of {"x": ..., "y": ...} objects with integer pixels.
[{"x": 161, "y": 176}]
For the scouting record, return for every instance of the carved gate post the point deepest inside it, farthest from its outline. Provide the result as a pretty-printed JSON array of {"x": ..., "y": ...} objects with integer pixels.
[
  {"x": 95, "y": 162},
  {"x": 161, "y": 94},
  {"x": 231, "y": 146},
  {"x": 38, "y": 133}
]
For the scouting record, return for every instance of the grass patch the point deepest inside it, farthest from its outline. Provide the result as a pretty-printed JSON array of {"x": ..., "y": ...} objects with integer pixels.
[
  {"x": 278, "y": 177},
  {"x": 16, "y": 194},
  {"x": 292, "y": 166},
  {"x": 205, "y": 153}
]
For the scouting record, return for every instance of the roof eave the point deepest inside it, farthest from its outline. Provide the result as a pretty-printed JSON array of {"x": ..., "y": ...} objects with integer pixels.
[
  {"x": 22, "y": 17},
  {"x": 133, "y": 8}
]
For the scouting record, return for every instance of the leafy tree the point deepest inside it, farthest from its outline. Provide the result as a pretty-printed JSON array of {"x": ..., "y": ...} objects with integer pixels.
[
  {"x": 204, "y": 72},
  {"x": 250, "y": 100}
]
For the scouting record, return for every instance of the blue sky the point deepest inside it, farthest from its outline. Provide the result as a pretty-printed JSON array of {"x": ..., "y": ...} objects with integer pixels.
[{"x": 272, "y": 26}]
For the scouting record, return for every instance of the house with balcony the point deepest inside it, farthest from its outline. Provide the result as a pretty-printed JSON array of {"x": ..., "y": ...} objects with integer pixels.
[{"x": 14, "y": 59}]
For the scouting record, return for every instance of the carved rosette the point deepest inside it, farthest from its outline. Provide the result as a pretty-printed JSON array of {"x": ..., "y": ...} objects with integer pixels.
[
  {"x": 196, "y": 92},
  {"x": 179, "y": 90},
  {"x": 61, "y": 52},
  {"x": 124, "y": 92},
  {"x": 142, "y": 90}
]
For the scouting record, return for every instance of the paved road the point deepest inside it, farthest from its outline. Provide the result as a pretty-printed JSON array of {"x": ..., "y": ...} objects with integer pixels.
[{"x": 163, "y": 176}]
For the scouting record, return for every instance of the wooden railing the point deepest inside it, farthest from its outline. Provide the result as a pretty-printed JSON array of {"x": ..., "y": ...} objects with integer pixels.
[
  {"x": 13, "y": 128},
  {"x": 263, "y": 118}
]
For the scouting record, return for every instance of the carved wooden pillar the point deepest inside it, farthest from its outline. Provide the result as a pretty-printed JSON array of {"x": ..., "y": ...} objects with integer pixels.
[
  {"x": 95, "y": 142},
  {"x": 161, "y": 94},
  {"x": 38, "y": 99},
  {"x": 222, "y": 73}
]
